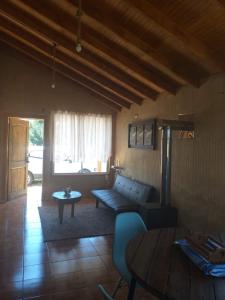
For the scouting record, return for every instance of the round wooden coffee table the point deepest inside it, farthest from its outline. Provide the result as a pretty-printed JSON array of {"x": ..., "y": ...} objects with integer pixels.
[{"x": 63, "y": 199}]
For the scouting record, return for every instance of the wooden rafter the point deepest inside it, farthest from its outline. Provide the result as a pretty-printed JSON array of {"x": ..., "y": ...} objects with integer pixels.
[
  {"x": 109, "y": 22},
  {"x": 68, "y": 57},
  {"x": 62, "y": 59},
  {"x": 187, "y": 44},
  {"x": 37, "y": 57},
  {"x": 31, "y": 50},
  {"x": 132, "y": 49},
  {"x": 101, "y": 46},
  {"x": 86, "y": 57}
]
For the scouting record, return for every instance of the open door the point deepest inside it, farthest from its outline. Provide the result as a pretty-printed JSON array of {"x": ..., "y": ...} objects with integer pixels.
[{"x": 17, "y": 167}]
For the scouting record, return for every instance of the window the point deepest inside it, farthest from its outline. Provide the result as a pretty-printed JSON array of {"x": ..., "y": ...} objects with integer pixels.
[{"x": 82, "y": 142}]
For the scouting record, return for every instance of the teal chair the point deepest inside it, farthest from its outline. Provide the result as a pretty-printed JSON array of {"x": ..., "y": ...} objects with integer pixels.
[{"x": 127, "y": 226}]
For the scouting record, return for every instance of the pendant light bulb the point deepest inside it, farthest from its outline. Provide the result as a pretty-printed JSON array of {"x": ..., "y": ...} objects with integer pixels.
[
  {"x": 78, "y": 47},
  {"x": 53, "y": 85}
]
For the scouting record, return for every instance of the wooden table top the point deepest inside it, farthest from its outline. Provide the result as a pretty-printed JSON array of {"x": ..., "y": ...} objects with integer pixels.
[{"x": 162, "y": 268}]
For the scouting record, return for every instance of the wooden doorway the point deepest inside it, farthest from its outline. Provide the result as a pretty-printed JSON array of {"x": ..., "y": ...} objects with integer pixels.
[
  {"x": 17, "y": 157},
  {"x": 25, "y": 138}
]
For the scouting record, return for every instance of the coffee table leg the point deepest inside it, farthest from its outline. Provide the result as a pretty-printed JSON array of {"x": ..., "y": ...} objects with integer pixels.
[
  {"x": 61, "y": 207},
  {"x": 72, "y": 210}
]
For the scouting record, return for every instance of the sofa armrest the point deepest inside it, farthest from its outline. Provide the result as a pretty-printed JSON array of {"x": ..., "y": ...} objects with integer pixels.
[{"x": 156, "y": 216}]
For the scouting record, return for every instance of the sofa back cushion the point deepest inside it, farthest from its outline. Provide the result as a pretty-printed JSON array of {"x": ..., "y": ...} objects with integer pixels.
[{"x": 134, "y": 190}]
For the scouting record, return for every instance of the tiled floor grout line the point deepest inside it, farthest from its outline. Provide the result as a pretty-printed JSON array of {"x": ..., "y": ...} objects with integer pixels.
[{"x": 63, "y": 279}]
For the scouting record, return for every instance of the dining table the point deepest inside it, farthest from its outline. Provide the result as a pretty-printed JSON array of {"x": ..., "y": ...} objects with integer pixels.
[{"x": 158, "y": 264}]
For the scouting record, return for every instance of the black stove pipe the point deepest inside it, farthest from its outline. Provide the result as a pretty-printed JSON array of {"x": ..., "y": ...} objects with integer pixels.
[{"x": 167, "y": 127}]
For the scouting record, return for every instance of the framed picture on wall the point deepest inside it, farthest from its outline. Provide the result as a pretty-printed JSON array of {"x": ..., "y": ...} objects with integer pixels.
[
  {"x": 132, "y": 136},
  {"x": 142, "y": 134},
  {"x": 148, "y": 135}
]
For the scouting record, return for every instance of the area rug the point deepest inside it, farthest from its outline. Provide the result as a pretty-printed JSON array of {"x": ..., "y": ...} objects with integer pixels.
[{"x": 88, "y": 221}]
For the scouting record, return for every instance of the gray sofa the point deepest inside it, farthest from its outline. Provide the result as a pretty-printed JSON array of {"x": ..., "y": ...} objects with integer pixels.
[
  {"x": 126, "y": 195},
  {"x": 131, "y": 195}
]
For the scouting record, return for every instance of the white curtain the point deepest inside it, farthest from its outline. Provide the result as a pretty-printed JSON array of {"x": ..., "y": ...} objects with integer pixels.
[{"x": 82, "y": 137}]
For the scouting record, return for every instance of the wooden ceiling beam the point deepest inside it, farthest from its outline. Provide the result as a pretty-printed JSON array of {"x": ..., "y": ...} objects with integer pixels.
[
  {"x": 161, "y": 24},
  {"x": 96, "y": 43},
  {"x": 69, "y": 59},
  {"x": 110, "y": 23},
  {"x": 87, "y": 57},
  {"x": 62, "y": 59},
  {"x": 133, "y": 83},
  {"x": 59, "y": 69},
  {"x": 19, "y": 43},
  {"x": 157, "y": 27}
]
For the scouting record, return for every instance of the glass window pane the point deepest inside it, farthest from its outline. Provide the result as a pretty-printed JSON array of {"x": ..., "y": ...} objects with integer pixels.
[{"x": 82, "y": 142}]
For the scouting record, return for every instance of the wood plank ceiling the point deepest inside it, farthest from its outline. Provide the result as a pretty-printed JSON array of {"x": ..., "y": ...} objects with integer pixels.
[{"x": 132, "y": 49}]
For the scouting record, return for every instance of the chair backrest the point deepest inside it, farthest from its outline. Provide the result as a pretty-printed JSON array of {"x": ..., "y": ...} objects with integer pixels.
[{"x": 127, "y": 226}]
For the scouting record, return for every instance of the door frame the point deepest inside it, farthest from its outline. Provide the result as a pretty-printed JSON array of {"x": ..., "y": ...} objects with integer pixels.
[{"x": 5, "y": 150}]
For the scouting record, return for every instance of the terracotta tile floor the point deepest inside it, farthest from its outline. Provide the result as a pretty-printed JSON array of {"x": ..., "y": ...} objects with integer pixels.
[{"x": 32, "y": 269}]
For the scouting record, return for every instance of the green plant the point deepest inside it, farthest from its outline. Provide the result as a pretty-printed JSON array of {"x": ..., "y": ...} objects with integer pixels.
[{"x": 36, "y": 132}]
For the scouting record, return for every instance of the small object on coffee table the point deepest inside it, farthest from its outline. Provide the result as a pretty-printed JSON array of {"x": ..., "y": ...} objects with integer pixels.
[
  {"x": 67, "y": 192},
  {"x": 63, "y": 197},
  {"x": 208, "y": 247}
]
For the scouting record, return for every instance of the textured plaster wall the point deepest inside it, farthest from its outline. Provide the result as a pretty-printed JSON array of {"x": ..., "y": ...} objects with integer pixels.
[
  {"x": 25, "y": 91},
  {"x": 198, "y": 166}
]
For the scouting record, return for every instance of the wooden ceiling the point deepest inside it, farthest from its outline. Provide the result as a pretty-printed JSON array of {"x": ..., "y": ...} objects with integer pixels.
[{"x": 132, "y": 49}]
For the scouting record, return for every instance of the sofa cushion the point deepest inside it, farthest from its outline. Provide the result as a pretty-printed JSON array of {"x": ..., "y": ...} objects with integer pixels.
[
  {"x": 115, "y": 200},
  {"x": 134, "y": 190}
]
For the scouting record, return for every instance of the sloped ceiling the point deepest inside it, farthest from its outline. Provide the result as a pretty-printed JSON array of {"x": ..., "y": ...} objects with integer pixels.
[{"x": 132, "y": 49}]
